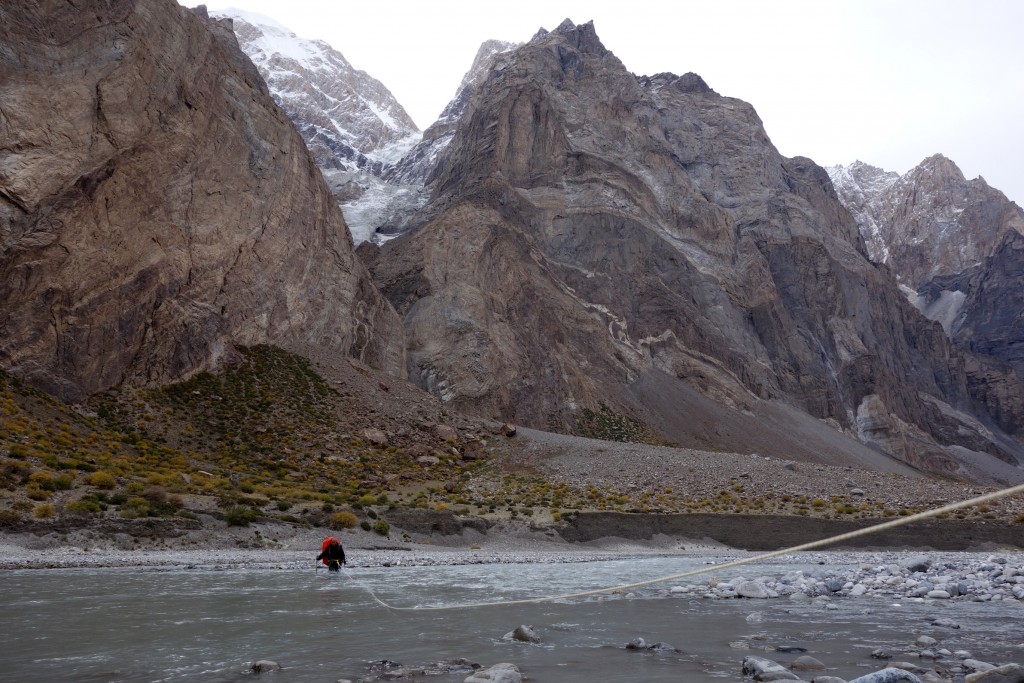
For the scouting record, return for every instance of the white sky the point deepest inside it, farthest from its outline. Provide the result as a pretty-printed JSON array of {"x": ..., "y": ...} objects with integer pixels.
[{"x": 889, "y": 82}]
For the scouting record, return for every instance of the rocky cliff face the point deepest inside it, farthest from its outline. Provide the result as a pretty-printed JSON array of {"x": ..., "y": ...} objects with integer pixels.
[
  {"x": 390, "y": 207},
  {"x": 418, "y": 164},
  {"x": 989, "y": 317},
  {"x": 594, "y": 237},
  {"x": 929, "y": 222},
  {"x": 353, "y": 125},
  {"x": 349, "y": 119},
  {"x": 955, "y": 244},
  {"x": 157, "y": 208}
]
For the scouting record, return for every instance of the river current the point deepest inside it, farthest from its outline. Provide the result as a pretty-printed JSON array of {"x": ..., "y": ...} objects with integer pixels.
[{"x": 93, "y": 625}]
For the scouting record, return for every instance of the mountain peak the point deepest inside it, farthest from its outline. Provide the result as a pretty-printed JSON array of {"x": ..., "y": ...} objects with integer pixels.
[
  {"x": 581, "y": 36},
  {"x": 565, "y": 27}
]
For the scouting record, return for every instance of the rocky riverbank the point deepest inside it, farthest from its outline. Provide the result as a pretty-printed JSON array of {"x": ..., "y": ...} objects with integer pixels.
[{"x": 781, "y": 619}]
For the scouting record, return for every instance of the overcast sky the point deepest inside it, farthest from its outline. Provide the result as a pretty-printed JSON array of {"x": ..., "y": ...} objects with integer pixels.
[{"x": 889, "y": 82}]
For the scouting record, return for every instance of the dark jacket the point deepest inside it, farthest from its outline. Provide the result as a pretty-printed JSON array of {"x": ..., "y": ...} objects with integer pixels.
[{"x": 333, "y": 551}]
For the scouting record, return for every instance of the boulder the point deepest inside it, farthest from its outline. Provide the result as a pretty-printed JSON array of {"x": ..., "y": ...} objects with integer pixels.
[
  {"x": 752, "y": 589},
  {"x": 499, "y": 673},
  {"x": 376, "y": 437},
  {"x": 523, "y": 634},
  {"x": 975, "y": 666},
  {"x": 945, "y": 623},
  {"x": 265, "y": 665},
  {"x": 446, "y": 432},
  {"x": 641, "y": 644},
  {"x": 766, "y": 670},
  {"x": 1008, "y": 673},
  {"x": 806, "y": 663},
  {"x": 888, "y": 676},
  {"x": 418, "y": 450},
  {"x": 920, "y": 563}
]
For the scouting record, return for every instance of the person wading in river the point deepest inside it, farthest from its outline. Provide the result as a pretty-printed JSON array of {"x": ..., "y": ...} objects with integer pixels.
[{"x": 332, "y": 554}]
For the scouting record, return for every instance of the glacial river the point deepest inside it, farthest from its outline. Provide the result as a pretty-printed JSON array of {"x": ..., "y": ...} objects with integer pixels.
[{"x": 98, "y": 625}]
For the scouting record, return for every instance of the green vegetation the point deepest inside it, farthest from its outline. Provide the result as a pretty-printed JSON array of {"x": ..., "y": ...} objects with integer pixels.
[
  {"x": 268, "y": 438},
  {"x": 267, "y": 432},
  {"x": 607, "y": 425},
  {"x": 241, "y": 515},
  {"x": 343, "y": 520}
]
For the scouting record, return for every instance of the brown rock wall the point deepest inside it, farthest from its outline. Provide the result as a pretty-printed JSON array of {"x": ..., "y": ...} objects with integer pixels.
[{"x": 156, "y": 207}]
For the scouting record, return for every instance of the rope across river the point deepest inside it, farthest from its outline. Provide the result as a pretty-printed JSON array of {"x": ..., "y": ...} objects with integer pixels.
[{"x": 901, "y": 521}]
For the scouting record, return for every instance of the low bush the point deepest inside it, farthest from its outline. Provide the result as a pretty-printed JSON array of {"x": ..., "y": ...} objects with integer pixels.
[
  {"x": 44, "y": 511},
  {"x": 101, "y": 480},
  {"x": 240, "y": 515},
  {"x": 85, "y": 506},
  {"x": 9, "y": 518},
  {"x": 344, "y": 520},
  {"x": 381, "y": 527},
  {"x": 137, "y": 506}
]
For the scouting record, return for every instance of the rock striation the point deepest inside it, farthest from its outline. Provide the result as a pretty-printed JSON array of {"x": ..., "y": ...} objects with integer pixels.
[
  {"x": 157, "y": 208},
  {"x": 593, "y": 237}
]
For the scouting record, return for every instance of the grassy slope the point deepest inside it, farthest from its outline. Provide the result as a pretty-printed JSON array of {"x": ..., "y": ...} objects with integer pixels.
[{"x": 269, "y": 437}]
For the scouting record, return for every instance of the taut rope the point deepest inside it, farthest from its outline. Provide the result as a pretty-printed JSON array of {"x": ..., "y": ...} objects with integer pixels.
[{"x": 901, "y": 521}]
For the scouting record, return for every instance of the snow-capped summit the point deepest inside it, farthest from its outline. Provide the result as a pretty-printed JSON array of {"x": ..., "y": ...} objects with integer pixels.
[
  {"x": 928, "y": 222},
  {"x": 349, "y": 119}
]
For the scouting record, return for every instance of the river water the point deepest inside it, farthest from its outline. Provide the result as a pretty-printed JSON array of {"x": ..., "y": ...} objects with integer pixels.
[{"x": 92, "y": 625}]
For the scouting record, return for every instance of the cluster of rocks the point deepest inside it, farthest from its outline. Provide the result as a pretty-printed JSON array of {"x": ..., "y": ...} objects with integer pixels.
[
  {"x": 961, "y": 669},
  {"x": 916, "y": 578},
  {"x": 387, "y": 670}
]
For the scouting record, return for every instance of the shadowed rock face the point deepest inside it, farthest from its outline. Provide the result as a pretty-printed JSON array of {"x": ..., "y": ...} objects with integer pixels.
[
  {"x": 588, "y": 228},
  {"x": 989, "y": 318},
  {"x": 156, "y": 207}
]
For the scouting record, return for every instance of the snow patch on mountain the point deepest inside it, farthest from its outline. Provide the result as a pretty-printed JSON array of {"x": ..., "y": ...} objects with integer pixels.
[
  {"x": 864, "y": 190},
  {"x": 349, "y": 119}
]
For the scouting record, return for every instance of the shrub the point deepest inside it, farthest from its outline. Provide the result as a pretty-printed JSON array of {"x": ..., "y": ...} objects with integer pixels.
[
  {"x": 136, "y": 506},
  {"x": 85, "y": 506},
  {"x": 365, "y": 525},
  {"x": 9, "y": 518},
  {"x": 102, "y": 480},
  {"x": 63, "y": 482},
  {"x": 240, "y": 515},
  {"x": 42, "y": 480},
  {"x": 44, "y": 511},
  {"x": 36, "y": 493},
  {"x": 344, "y": 520},
  {"x": 381, "y": 527}
]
